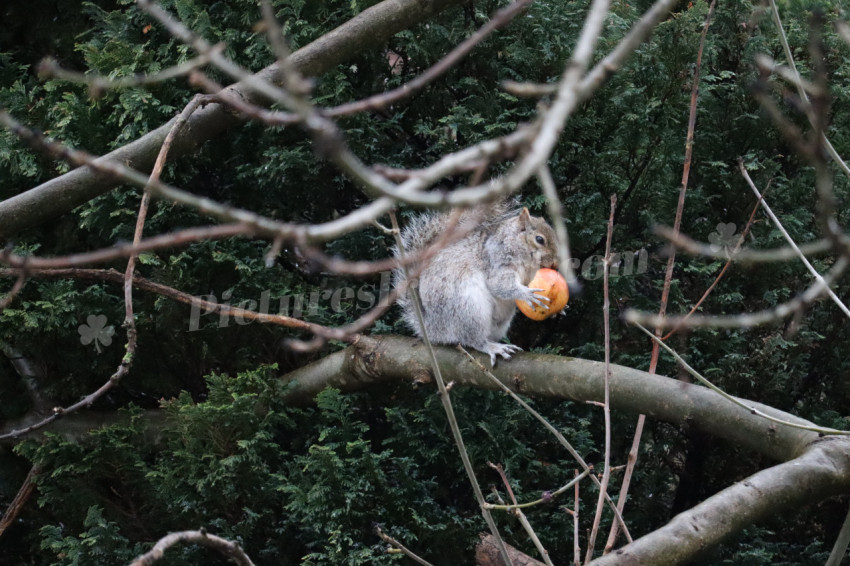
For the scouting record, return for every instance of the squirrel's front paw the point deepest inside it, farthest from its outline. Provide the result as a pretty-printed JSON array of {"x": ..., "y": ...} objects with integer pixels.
[
  {"x": 504, "y": 350},
  {"x": 531, "y": 297}
]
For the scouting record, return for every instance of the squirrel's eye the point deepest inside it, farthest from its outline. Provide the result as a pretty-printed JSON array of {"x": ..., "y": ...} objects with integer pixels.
[{"x": 540, "y": 240}]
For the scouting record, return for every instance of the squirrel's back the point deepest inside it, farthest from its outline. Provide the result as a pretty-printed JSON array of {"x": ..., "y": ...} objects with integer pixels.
[{"x": 425, "y": 229}]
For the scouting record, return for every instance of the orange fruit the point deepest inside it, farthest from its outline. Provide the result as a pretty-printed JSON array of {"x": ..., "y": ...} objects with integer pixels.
[{"x": 554, "y": 287}]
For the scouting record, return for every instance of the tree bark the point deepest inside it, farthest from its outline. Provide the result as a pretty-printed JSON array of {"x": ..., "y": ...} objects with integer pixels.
[
  {"x": 368, "y": 29},
  {"x": 391, "y": 358},
  {"x": 487, "y": 554},
  {"x": 813, "y": 469},
  {"x": 823, "y": 471}
]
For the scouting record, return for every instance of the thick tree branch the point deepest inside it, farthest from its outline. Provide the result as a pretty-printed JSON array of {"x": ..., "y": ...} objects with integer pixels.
[
  {"x": 817, "y": 468},
  {"x": 373, "y": 360},
  {"x": 487, "y": 554},
  {"x": 378, "y": 359},
  {"x": 814, "y": 468},
  {"x": 822, "y": 471},
  {"x": 368, "y": 29}
]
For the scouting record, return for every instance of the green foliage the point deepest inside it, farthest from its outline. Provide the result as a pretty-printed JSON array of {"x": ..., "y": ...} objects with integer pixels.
[
  {"x": 99, "y": 544},
  {"x": 762, "y": 546},
  {"x": 291, "y": 485}
]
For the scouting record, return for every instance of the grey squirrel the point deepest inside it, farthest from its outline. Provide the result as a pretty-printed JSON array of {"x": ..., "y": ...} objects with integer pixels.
[{"x": 468, "y": 289}]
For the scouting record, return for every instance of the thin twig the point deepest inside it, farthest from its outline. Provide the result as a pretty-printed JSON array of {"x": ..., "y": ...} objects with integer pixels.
[
  {"x": 259, "y": 225},
  {"x": 129, "y": 318},
  {"x": 121, "y": 250},
  {"x": 720, "y": 275},
  {"x": 752, "y": 410},
  {"x": 631, "y": 461},
  {"x": 556, "y": 215},
  {"x": 98, "y": 84},
  {"x": 454, "y": 233},
  {"x": 345, "y": 333},
  {"x": 499, "y": 19},
  {"x": 817, "y": 112},
  {"x": 555, "y": 432},
  {"x": 449, "y": 410},
  {"x": 686, "y": 170},
  {"x": 748, "y": 320},
  {"x": 789, "y": 58},
  {"x": 325, "y": 132},
  {"x": 13, "y": 510},
  {"x": 606, "y": 408},
  {"x": 839, "y": 549},
  {"x": 407, "y": 552},
  {"x": 745, "y": 256},
  {"x": 548, "y": 497},
  {"x": 516, "y": 510},
  {"x": 576, "y": 546},
  {"x": 369, "y": 213},
  {"x": 6, "y": 300},
  {"x": 573, "y": 89},
  {"x": 501, "y": 471},
  {"x": 791, "y": 242}
]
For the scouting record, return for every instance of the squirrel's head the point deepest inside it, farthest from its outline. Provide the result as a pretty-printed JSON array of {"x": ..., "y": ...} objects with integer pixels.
[{"x": 540, "y": 239}]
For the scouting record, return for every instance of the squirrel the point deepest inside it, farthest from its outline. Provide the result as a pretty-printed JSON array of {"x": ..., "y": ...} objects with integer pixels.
[{"x": 468, "y": 289}]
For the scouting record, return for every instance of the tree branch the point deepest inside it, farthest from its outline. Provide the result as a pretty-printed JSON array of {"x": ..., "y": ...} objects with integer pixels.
[
  {"x": 368, "y": 29},
  {"x": 822, "y": 471},
  {"x": 372, "y": 360},
  {"x": 226, "y": 547},
  {"x": 814, "y": 467}
]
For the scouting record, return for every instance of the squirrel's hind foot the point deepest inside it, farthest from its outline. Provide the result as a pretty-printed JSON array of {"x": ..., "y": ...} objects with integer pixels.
[{"x": 496, "y": 349}]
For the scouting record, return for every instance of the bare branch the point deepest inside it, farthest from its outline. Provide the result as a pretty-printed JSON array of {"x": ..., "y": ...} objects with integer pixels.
[
  {"x": 228, "y": 548},
  {"x": 717, "y": 279},
  {"x": 606, "y": 404},
  {"x": 378, "y": 359},
  {"x": 668, "y": 276},
  {"x": 556, "y": 215},
  {"x": 699, "y": 377},
  {"x": 799, "y": 83},
  {"x": 129, "y": 318},
  {"x": 820, "y": 472},
  {"x": 747, "y": 320},
  {"x": 407, "y": 552},
  {"x": 573, "y": 90},
  {"x": 447, "y": 407},
  {"x": 30, "y": 376},
  {"x": 744, "y": 256},
  {"x": 547, "y": 497},
  {"x": 121, "y": 250},
  {"x": 791, "y": 242},
  {"x": 7, "y": 299},
  {"x": 20, "y": 500},
  {"x": 49, "y": 68},
  {"x": 258, "y": 224},
  {"x": 369, "y": 28},
  {"x": 499, "y": 383},
  {"x": 516, "y": 510}
]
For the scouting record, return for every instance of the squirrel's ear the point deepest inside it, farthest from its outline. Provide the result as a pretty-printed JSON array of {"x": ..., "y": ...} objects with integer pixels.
[{"x": 524, "y": 216}]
